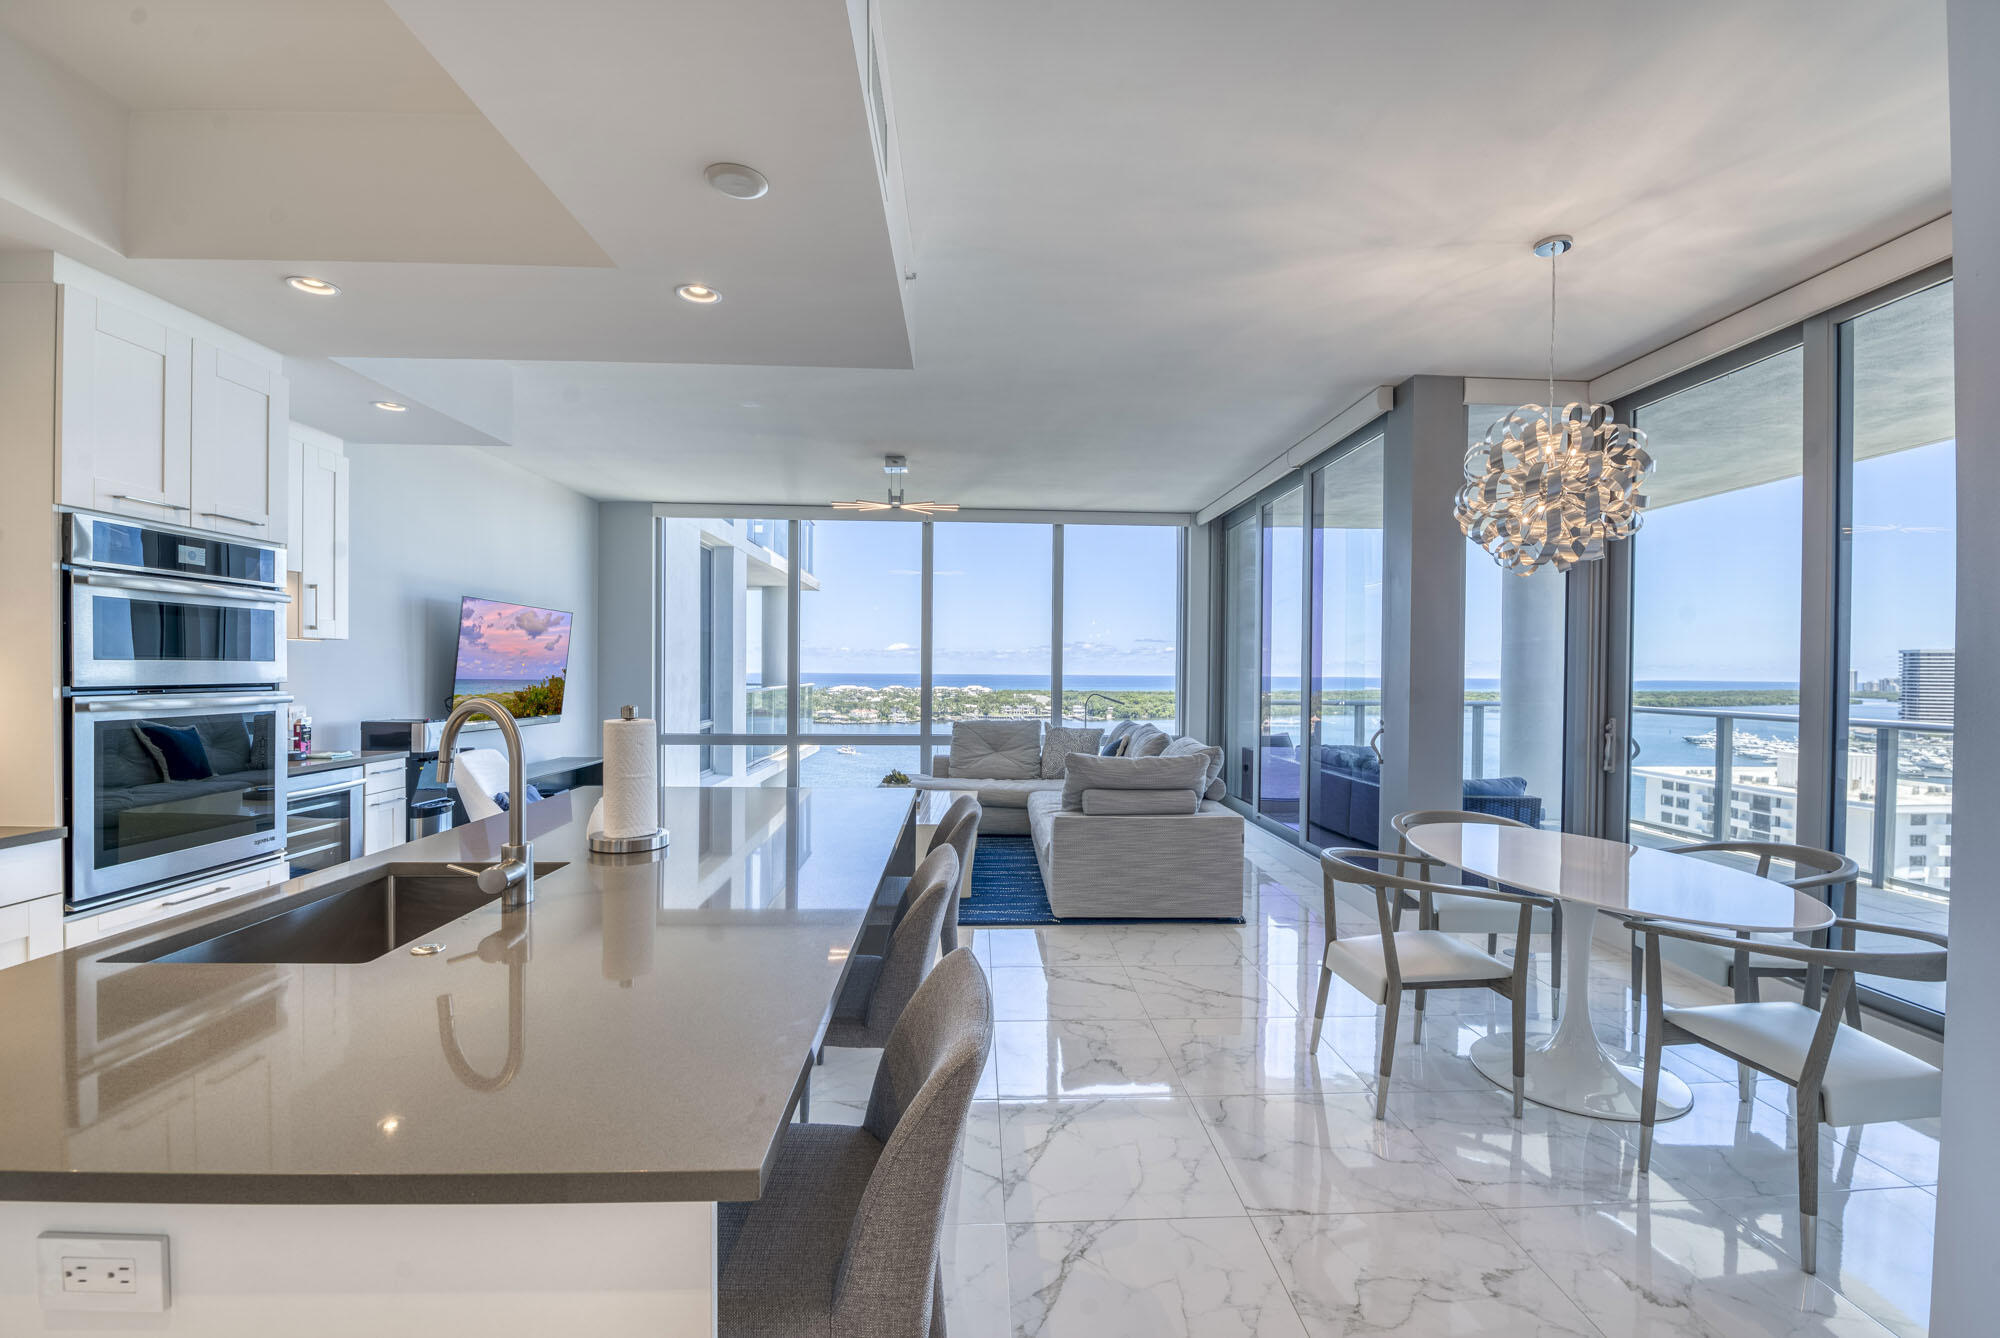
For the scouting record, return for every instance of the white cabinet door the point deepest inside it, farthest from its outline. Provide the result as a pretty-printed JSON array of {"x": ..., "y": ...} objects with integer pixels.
[
  {"x": 383, "y": 825},
  {"x": 124, "y": 404},
  {"x": 30, "y": 929},
  {"x": 241, "y": 454},
  {"x": 322, "y": 543}
]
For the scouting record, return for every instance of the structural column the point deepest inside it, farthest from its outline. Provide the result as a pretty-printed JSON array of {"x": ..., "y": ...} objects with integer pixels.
[
  {"x": 1423, "y": 599},
  {"x": 1969, "y": 1165}
]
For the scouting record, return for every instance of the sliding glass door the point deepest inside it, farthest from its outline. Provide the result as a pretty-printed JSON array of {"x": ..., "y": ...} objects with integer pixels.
[
  {"x": 1242, "y": 658},
  {"x": 1282, "y": 693},
  {"x": 1343, "y": 766}
]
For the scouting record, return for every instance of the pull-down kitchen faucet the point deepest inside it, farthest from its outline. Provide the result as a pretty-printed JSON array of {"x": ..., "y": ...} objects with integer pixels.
[{"x": 514, "y": 876}]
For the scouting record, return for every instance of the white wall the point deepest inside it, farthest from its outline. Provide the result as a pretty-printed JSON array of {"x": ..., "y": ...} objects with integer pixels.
[
  {"x": 430, "y": 525},
  {"x": 1969, "y": 1167}
]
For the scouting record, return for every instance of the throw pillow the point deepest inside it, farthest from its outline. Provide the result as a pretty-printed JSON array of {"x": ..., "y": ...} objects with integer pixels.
[
  {"x": 176, "y": 752},
  {"x": 1140, "y": 803},
  {"x": 1113, "y": 743},
  {"x": 997, "y": 749},
  {"x": 1189, "y": 746},
  {"x": 1058, "y": 744},
  {"x": 1216, "y": 789},
  {"x": 1128, "y": 773},
  {"x": 1146, "y": 741}
]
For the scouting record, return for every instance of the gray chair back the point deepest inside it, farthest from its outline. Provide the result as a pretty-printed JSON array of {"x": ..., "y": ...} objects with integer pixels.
[
  {"x": 919, "y": 924},
  {"x": 960, "y": 831},
  {"x": 887, "y": 1282}
]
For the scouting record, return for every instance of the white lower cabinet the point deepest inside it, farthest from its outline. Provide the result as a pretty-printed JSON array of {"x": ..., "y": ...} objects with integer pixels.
[
  {"x": 31, "y": 886},
  {"x": 384, "y": 825}
]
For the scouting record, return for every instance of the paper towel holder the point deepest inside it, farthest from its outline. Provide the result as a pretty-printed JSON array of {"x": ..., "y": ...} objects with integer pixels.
[{"x": 656, "y": 839}]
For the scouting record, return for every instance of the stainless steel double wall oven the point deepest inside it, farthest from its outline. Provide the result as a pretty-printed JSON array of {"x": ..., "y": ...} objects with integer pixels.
[{"x": 175, "y": 646}]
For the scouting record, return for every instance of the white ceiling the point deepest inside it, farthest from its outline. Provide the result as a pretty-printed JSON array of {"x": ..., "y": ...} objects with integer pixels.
[{"x": 1155, "y": 241}]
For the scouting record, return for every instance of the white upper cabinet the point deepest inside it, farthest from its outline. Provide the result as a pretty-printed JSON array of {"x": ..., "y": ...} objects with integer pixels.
[
  {"x": 319, "y": 537},
  {"x": 158, "y": 424},
  {"x": 126, "y": 424},
  {"x": 241, "y": 415}
]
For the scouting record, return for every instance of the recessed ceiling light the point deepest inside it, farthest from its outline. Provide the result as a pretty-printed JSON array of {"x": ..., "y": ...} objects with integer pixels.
[
  {"x": 737, "y": 181},
  {"x": 391, "y": 406},
  {"x": 305, "y": 283},
  {"x": 699, "y": 293}
]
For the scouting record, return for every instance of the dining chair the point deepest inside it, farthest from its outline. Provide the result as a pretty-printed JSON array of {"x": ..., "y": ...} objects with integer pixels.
[
  {"x": 1842, "y": 1076},
  {"x": 960, "y": 830},
  {"x": 878, "y": 987},
  {"x": 1384, "y": 964},
  {"x": 1469, "y": 915},
  {"x": 1828, "y": 875},
  {"x": 844, "y": 1242}
]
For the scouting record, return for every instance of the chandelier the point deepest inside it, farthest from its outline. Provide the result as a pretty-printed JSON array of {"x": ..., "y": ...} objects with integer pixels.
[
  {"x": 1549, "y": 485},
  {"x": 895, "y": 466}
]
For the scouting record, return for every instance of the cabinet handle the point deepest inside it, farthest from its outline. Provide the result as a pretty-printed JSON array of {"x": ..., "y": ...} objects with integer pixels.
[
  {"x": 195, "y": 896},
  {"x": 313, "y": 586},
  {"x": 149, "y": 501},
  {"x": 240, "y": 520}
]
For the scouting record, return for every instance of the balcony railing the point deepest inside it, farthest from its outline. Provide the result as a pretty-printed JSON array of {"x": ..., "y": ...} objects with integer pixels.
[{"x": 1889, "y": 762}]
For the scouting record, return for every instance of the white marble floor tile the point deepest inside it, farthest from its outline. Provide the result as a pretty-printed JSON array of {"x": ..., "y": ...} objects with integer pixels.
[
  {"x": 1188, "y": 945},
  {"x": 977, "y": 1192},
  {"x": 1092, "y": 993},
  {"x": 1325, "y": 1154},
  {"x": 1053, "y": 945},
  {"x": 974, "y": 1260},
  {"x": 1681, "y": 1270},
  {"x": 1081, "y": 1059},
  {"x": 1875, "y": 1248},
  {"x": 1233, "y": 1055},
  {"x": 1113, "y": 1158},
  {"x": 1416, "y": 1275},
  {"x": 1188, "y": 1278},
  {"x": 1544, "y": 1158},
  {"x": 1441, "y": 1062},
  {"x": 1725, "y": 1148},
  {"x": 1210, "y": 991}
]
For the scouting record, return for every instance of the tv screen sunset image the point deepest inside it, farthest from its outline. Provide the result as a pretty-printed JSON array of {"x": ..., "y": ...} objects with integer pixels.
[{"x": 514, "y": 654}]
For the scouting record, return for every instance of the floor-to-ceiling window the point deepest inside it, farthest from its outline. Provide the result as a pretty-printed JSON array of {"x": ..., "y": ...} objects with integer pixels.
[
  {"x": 1516, "y": 627},
  {"x": 990, "y": 617},
  {"x": 1242, "y": 658},
  {"x": 1282, "y": 690},
  {"x": 1715, "y": 610},
  {"x": 1121, "y": 602},
  {"x": 858, "y": 682},
  {"x": 1342, "y": 767},
  {"x": 1895, "y": 815}
]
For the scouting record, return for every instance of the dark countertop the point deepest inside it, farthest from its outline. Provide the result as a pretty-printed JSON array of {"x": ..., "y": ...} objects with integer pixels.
[
  {"x": 360, "y": 759},
  {"x": 27, "y": 836},
  {"x": 636, "y": 1035}
]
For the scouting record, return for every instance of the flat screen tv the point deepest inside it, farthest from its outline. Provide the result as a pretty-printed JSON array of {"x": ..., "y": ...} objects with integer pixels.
[{"x": 514, "y": 653}]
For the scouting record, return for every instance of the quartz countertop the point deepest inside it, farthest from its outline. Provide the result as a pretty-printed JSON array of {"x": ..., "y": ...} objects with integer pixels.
[
  {"x": 636, "y": 1035},
  {"x": 360, "y": 759},
  {"x": 27, "y": 836}
]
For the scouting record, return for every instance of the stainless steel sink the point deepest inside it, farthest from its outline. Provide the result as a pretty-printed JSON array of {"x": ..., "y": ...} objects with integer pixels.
[{"x": 351, "y": 920}]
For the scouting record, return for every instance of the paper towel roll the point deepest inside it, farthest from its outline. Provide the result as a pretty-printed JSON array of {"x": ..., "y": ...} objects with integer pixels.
[{"x": 631, "y": 778}]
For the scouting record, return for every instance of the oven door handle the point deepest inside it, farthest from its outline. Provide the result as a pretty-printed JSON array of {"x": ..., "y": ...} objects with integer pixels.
[
  {"x": 202, "y": 703},
  {"x": 241, "y": 594}
]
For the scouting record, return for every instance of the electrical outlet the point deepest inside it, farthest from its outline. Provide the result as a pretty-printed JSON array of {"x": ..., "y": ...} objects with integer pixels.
[
  {"x": 106, "y": 1277},
  {"x": 101, "y": 1271}
]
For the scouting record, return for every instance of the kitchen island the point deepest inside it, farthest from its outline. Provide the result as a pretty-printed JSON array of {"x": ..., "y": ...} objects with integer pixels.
[{"x": 526, "y": 1128}]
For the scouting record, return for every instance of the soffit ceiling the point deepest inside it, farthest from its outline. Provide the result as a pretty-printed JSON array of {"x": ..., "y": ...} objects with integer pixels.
[{"x": 1155, "y": 243}]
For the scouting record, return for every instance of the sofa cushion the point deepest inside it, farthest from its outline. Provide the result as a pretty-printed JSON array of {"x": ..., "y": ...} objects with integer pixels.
[
  {"x": 1357, "y": 758},
  {"x": 1113, "y": 742},
  {"x": 996, "y": 749},
  {"x": 1140, "y": 803},
  {"x": 1129, "y": 773},
  {"x": 1189, "y": 746},
  {"x": 1058, "y": 744},
  {"x": 1146, "y": 741},
  {"x": 992, "y": 793},
  {"x": 1495, "y": 787}
]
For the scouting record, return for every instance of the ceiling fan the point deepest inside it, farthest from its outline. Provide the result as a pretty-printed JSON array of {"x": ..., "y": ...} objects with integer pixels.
[{"x": 895, "y": 466}]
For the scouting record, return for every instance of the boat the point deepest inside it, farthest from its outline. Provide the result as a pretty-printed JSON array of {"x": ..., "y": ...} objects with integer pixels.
[{"x": 850, "y": 751}]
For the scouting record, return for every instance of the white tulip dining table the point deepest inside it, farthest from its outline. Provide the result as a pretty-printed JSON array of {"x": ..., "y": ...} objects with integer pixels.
[{"x": 1571, "y": 1069}]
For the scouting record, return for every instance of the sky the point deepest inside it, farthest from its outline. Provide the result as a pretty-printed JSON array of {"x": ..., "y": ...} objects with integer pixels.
[
  {"x": 511, "y": 641},
  {"x": 991, "y": 600}
]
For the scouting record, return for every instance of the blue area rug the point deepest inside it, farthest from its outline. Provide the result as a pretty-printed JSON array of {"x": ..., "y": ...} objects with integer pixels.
[{"x": 1007, "y": 890}]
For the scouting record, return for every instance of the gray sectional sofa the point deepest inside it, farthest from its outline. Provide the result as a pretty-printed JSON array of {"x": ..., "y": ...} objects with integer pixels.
[{"x": 1140, "y": 836}]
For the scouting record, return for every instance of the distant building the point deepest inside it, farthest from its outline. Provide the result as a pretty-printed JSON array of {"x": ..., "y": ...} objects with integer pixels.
[{"x": 1928, "y": 678}]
